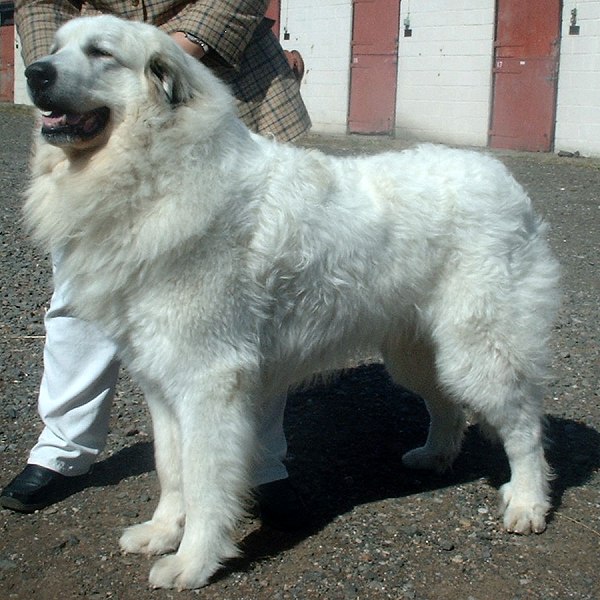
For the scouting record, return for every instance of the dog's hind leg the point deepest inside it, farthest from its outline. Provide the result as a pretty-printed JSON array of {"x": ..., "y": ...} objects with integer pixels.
[
  {"x": 525, "y": 498},
  {"x": 497, "y": 377},
  {"x": 513, "y": 407},
  {"x": 411, "y": 364},
  {"x": 163, "y": 532},
  {"x": 217, "y": 427}
]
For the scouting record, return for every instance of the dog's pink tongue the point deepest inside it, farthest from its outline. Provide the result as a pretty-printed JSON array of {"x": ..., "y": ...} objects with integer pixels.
[
  {"x": 60, "y": 119},
  {"x": 54, "y": 120}
]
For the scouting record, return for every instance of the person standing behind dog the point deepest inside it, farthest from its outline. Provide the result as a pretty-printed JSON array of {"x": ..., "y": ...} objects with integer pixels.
[
  {"x": 232, "y": 37},
  {"x": 235, "y": 40}
]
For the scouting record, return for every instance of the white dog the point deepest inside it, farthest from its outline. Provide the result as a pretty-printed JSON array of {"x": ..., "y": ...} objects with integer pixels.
[{"x": 228, "y": 267}]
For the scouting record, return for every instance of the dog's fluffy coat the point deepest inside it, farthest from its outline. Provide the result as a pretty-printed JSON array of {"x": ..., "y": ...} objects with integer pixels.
[{"x": 228, "y": 267}]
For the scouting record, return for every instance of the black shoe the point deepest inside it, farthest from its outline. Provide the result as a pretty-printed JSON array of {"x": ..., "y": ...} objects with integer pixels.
[
  {"x": 281, "y": 507},
  {"x": 38, "y": 487}
]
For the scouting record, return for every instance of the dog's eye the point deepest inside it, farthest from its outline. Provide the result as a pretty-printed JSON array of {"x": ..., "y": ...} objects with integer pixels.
[{"x": 96, "y": 52}]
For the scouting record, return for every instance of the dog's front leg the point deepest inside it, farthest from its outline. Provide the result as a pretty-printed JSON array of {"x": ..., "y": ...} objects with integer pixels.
[
  {"x": 218, "y": 442},
  {"x": 163, "y": 532}
]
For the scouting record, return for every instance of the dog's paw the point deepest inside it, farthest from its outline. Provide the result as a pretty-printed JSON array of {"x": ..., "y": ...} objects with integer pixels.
[
  {"x": 151, "y": 538},
  {"x": 523, "y": 515},
  {"x": 181, "y": 572},
  {"x": 422, "y": 459}
]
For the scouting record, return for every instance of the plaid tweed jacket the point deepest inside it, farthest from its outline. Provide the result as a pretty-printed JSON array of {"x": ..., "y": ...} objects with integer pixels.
[{"x": 244, "y": 51}]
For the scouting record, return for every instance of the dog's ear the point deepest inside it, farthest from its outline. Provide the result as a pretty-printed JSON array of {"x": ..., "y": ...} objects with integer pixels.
[{"x": 168, "y": 74}]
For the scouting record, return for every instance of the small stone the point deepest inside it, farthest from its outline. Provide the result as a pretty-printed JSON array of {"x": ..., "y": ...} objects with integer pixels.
[
  {"x": 410, "y": 530},
  {"x": 7, "y": 565},
  {"x": 72, "y": 540}
]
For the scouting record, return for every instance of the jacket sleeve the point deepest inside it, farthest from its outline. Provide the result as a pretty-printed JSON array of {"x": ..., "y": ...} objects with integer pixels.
[
  {"x": 38, "y": 20},
  {"x": 227, "y": 26}
]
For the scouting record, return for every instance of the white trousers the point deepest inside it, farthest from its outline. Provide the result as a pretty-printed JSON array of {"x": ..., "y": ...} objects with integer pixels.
[{"x": 78, "y": 385}]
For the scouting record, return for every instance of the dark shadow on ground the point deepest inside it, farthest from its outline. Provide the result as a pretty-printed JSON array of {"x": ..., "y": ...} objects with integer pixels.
[
  {"x": 128, "y": 462},
  {"x": 346, "y": 441}
]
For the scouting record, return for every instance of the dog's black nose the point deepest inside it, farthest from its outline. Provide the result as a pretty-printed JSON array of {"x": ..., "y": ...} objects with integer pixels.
[{"x": 40, "y": 75}]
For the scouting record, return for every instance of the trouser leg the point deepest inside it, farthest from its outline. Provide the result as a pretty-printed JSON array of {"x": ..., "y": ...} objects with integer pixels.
[
  {"x": 272, "y": 438},
  {"x": 80, "y": 374}
]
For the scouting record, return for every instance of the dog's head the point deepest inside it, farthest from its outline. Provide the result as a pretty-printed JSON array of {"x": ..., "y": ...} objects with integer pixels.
[{"x": 104, "y": 70}]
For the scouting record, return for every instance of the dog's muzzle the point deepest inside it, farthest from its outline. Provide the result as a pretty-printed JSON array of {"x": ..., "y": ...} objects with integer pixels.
[{"x": 61, "y": 126}]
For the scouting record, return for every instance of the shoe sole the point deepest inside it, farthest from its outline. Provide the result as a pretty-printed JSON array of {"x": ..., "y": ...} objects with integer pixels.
[{"x": 18, "y": 506}]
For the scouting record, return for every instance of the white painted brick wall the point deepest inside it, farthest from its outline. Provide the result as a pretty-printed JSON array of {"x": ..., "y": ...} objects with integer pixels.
[
  {"x": 578, "y": 104},
  {"x": 445, "y": 71},
  {"x": 21, "y": 96},
  {"x": 321, "y": 31}
]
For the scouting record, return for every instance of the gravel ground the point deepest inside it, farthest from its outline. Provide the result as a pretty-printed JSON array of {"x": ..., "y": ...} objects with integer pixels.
[{"x": 380, "y": 530}]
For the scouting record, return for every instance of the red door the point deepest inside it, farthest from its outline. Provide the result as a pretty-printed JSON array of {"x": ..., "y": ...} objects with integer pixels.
[
  {"x": 525, "y": 74},
  {"x": 273, "y": 12},
  {"x": 373, "y": 73},
  {"x": 7, "y": 62}
]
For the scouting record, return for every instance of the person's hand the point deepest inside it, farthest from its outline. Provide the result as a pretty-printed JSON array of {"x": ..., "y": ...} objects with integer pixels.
[{"x": 190, "y": 47}]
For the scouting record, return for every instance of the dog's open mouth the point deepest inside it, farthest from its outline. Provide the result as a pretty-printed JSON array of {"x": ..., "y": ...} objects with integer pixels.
[{"x": 69, "y": 128}]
